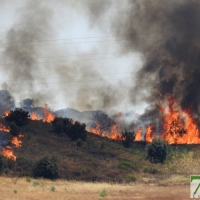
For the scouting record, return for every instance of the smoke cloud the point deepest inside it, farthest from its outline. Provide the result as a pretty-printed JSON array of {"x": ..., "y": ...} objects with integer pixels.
[{"x": 166, "y": 33}]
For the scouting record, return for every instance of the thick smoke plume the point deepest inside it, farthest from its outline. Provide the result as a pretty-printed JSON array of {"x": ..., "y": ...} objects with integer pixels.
[
  {"x": 31, "y": 72},
  {"x": 166, "y": 33}
]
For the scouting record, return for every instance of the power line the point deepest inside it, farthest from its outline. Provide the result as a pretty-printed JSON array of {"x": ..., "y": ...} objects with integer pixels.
[
  {"x": 90, "y": 54},
  {"x": 108, "y": 74},
  {"x": 74, "y": 60},
  {"x": 66, "y": 43}
]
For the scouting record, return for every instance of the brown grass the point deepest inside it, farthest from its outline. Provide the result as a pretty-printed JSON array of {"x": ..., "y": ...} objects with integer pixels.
[{"x": 21, "y": 189}]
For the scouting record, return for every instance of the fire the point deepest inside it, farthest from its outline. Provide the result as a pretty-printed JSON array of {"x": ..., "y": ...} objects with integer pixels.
[
  {"x": 138, "y": 135},
  {"x": 148, "y": 135},
  {"x": 3, "y": 128},
  {"x": 8, "y": 153},
  {"x": 114, "y": 132},
  {"x": 6, "y": 113},
  {"x": 48, "y": 116},
  {"x": 34, "y": 116},
  {"x": 97, "y": 130},
  {"x": 179, "y": 127},
  {"x": 16, "y": 142}
]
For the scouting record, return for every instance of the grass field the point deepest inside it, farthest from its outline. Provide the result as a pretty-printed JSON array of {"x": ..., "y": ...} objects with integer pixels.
[{"x": 40, "y": 189}]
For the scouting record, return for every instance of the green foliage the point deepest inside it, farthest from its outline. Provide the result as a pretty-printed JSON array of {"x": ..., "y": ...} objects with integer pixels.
[
  {"x": 77, "y": 131},
  {"x": 129, "y": 178},
  {"x": 85, "y": 170},
  {"x": 103, "y": 193},
  {"x": 46, "y": 167},
  {"x": 36, "y": 183},
  {"x": 28, "y": 179},
  {"x": 53, "y": 188},
  {"x": 19, "y": 116},
  {"x": 151, "y": 170},
  {"x": 14, "y": 129},
  {"x": 15, "y": 191},
  {"x": 127, "y": 137},
  {"x": 60, "y": 124},
  {"x": 157, "y": 151},
  {"x": 73, "y": 130},
  {"x": 125, "y": 165}
]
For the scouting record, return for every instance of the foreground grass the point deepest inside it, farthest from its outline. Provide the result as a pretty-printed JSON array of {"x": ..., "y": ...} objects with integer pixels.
[{"x": 26, "y": 188}]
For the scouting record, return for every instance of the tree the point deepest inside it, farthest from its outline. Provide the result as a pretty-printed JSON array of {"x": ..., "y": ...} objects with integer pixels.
[
  {"x": 127, "y": 137},
  {"x": 60, "y": 125},
  {"x": 46, "y": 167},
  {"x": 14, "y": 129},
  {"x": 157, "y": 150},
  {"x": 76, "y": 131},
  {"x": 19, "y": 116}
]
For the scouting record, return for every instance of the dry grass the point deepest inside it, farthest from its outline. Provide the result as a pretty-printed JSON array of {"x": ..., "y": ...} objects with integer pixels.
[{"x": 21, "y": 189}]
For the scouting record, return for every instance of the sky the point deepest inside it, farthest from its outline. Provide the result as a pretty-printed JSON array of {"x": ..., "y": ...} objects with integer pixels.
[{"x": 53, "y": 52}]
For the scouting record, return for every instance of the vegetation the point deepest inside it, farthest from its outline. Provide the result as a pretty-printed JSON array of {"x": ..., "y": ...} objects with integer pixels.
[
  {"x": 14, "y": 129},
  {"x": 19, "y": 116},
  {"x": 103, "y": 193},
  {"x": 127, "y": 137},
  {"x": 130, "y": 177},
  {"x": 46, "y": 167},
  {"x": 94, "y": 159},
  {"x": 74, "y": 131},
  {"x": 157, "y": 151}
]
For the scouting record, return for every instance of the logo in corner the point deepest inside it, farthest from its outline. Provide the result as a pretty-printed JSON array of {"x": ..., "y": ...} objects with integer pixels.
[{"x": 195, "y": 186}]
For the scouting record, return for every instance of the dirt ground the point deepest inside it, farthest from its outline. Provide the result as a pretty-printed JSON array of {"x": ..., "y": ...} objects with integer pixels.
[{"x": 26, "y": 189}]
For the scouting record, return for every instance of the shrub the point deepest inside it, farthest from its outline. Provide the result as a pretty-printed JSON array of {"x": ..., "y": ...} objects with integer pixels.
[
  {"x": 53, "y": 188},
  {"x": 76, "y": 131},
  {"x": 60, "y": 124},
  {"x": 19, "y": 116},
  {"x": 125, "y": 165},
  {"x": 130, "y": 177},
  {"x": 85, "y": 170},
  {"x": 127, "y": 137},
  {"x": 36, "y": 182},
  {"x": 46, "y": 167},
  {"x": 157, "y": 151},
  {"x": 79, "y": 143},
  {"x": 14, "y": 129},
  {"x": 103, "y": 193},
  {"x": 151, "y": 170}
]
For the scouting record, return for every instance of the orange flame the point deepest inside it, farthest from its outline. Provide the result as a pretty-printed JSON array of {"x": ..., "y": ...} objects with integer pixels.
[
  {"x": 3, "y": 128},
  {"x": 179, "y": 127},
  {"x": 96, "y": 130},
  {"x": 48, "y": 116},
  {"x": 34, "y": 116},
  {"x": 16, "y": 142},
  {"x": 114, "y": 132},
  {"x": 6, "y": 113},
  {"x": 138, "y": 135},
  {"x": 8, "y": 153},
  {"x": 148, "y": 135}
]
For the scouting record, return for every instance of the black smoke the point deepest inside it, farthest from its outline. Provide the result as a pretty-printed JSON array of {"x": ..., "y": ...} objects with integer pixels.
[{"x": 166, "y": 33}]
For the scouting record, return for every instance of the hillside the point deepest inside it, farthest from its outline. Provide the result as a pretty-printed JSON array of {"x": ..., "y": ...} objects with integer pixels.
[{"x": 98, "y": 158}]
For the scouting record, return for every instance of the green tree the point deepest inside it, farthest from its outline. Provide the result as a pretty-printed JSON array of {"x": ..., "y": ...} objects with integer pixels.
[
  {"x": 157, "y": 151},
  {"x": 127, "y": 137},
  {"x": 46, "y": 167},
  {"x": 19, "y": 116},
  {"x": 76, "y": 131},
  {"x": 14, "y": 129}
]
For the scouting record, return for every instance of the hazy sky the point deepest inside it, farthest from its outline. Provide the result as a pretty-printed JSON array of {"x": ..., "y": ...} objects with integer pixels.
[{"x": 76, "y": 61}]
